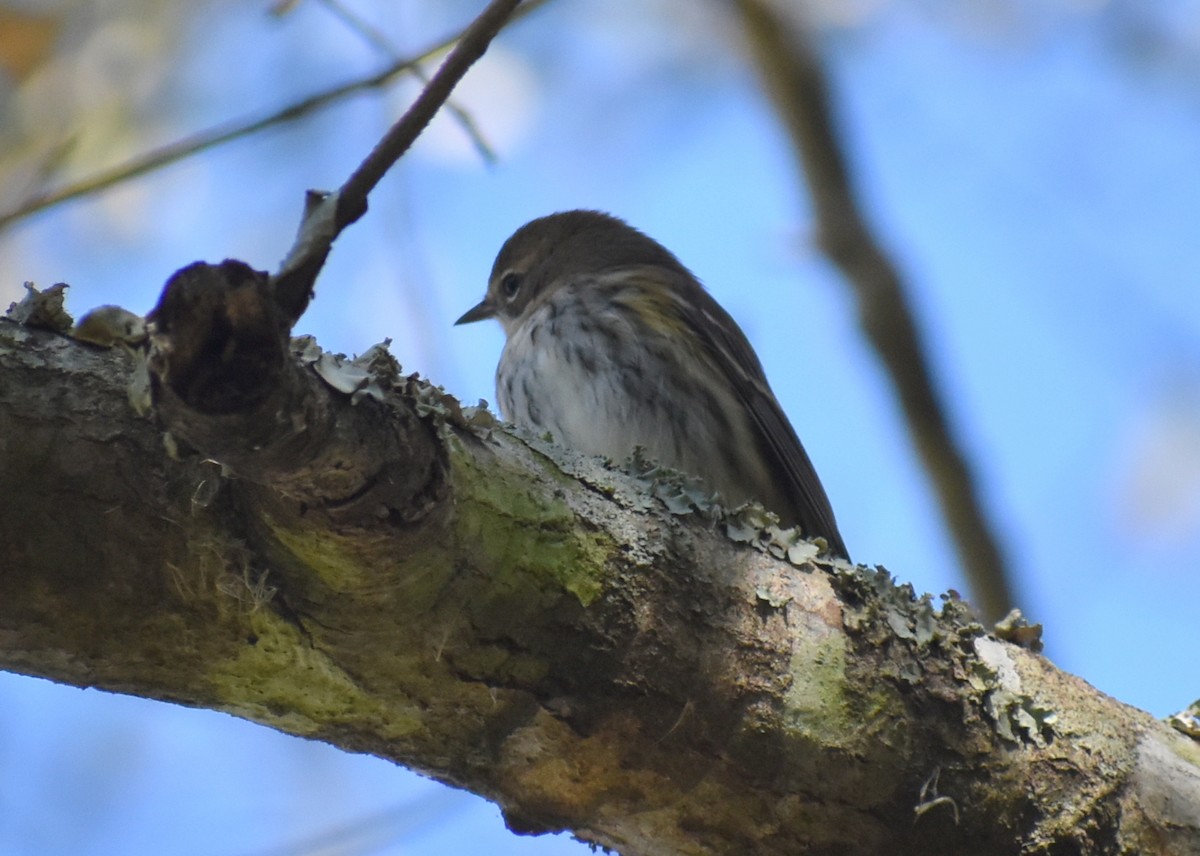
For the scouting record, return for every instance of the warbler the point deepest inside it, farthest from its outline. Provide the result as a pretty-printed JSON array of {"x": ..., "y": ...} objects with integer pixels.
[{"x": 611, "y": 343}]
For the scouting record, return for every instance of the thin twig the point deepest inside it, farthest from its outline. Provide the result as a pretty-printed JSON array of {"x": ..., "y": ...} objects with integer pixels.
[
  {"x": 470, "y": 47},
  {"x": 376, "y": 38},
  {"x": 793, "y": 78}
]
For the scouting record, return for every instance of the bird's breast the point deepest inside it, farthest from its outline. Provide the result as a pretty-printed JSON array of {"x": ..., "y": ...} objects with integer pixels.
[{"x": 602, "y": 382}]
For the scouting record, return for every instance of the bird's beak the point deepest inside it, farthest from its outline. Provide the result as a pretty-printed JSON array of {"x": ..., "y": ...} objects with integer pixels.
[{"x": 479, "y": 312}]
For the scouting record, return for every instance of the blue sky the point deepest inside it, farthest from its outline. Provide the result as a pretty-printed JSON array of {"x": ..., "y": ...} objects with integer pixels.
[{"x": 1034, "y": 176}]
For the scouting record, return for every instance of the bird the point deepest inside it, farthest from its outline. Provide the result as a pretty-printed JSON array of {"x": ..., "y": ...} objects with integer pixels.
[{"x": 612, "y": 344}]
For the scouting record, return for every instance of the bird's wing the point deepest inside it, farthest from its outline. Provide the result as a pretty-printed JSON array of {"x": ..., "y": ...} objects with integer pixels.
[{"x": 732, "y": 352}]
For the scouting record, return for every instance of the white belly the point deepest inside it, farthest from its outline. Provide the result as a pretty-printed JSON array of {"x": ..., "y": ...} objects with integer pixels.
[{"x": 595, "y": 394}]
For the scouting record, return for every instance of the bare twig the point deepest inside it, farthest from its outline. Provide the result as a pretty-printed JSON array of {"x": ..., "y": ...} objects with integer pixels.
[
  {"x": 471, "y": 46},
  {"x": 795, "y": 82},
  {"x": 326, "y": 215},
  {"x": 376, "y": 38}
]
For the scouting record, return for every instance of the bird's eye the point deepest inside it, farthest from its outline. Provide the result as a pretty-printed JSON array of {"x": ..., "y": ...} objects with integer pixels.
[{"x": 510, "y": 284}]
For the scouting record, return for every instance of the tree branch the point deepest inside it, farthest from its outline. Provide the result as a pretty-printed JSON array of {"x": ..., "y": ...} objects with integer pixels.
[
  {"x": 470, "y": 47},
  {"x": 545, "y": 635},
  {"x": 326, "y": 215},
  {"x": 793, "y": 78},
  {"x": 225, "y": 379},
  {"x": 374, "y": 37}
]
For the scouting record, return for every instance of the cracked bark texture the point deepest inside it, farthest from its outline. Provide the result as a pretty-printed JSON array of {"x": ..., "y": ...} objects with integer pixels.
[{"x": 529, "y": 625}]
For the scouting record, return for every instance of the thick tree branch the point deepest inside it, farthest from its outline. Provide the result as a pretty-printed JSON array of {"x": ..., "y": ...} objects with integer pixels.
[
  {"x": 793, "y": 78},
  {"x": 561, "y": 645},
  {"x": 225, "y": 380}
]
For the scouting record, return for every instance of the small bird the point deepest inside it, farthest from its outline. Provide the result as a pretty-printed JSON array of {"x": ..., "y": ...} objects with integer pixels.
[{"x": 611, "y": 343}]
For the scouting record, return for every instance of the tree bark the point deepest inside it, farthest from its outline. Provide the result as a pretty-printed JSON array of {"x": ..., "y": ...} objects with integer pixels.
[{"x": 374, "y": 566}]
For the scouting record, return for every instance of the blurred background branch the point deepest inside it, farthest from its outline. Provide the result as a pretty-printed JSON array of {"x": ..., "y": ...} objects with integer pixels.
[
  {"x": 792, "y": 76},
  {"x": 228, "y": 132}
]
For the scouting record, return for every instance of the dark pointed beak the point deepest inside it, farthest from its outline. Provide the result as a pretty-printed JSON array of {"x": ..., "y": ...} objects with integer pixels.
[{"x": 479, "y": 312}]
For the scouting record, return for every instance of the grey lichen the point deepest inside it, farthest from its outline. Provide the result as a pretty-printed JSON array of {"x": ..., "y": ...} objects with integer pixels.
[
  {"x": 1187, "y": 721},
  {"x": 376, "y": 374},
  {"x": 42, "y": 309},
  {"x": 1016, "y": 629},
  {"x": 368, "y": 375},
  {"x": 1018, "y": 717}
]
